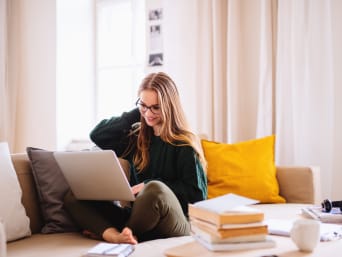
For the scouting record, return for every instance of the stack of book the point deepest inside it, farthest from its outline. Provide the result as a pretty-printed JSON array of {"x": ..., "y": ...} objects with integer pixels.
[{"x": 238, "y": 228}]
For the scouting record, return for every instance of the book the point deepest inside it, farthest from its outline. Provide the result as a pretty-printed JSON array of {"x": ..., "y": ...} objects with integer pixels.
[
  {"x": 109, "y": 249},
  {"x": 230, "y": 232},
  {"x": 315, "y": 212},
  {"x": 226, "y": 225},
  {"x": 212, "y": 239},
  {"x": 225, "y": 202},
  {"x": 238, "y": 215},
  {"x": 227, "y": 209},
  {"x": 268, "y": 243}
]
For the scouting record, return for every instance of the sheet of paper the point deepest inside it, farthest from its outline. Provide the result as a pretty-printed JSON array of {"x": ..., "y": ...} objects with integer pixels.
[
  {"x": 282, "y": 227},
  {"x": 225, "y": 203},
  {"x": 315, "y": 212}
]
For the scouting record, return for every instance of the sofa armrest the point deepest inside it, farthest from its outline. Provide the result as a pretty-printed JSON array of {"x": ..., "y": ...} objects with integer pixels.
[
  {"x": 30, "y": 199},
  {"x": 299, "y": 184}
]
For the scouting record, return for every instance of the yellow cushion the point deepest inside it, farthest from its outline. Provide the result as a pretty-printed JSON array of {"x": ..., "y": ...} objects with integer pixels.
[{"x": 245, "y": 168}]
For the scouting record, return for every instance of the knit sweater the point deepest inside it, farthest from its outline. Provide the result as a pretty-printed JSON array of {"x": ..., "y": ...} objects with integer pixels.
[{"x": 177, "y": 166}]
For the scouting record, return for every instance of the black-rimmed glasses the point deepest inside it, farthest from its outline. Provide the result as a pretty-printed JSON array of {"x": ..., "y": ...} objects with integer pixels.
[{"x": 155, "y": 109}]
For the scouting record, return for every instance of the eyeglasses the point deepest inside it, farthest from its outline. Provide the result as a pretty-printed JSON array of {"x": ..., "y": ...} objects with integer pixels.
[{"x": 155, "y": 109}]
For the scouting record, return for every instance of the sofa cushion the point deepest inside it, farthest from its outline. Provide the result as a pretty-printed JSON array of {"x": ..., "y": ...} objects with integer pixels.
[
  {"x": 12, "y": 212},
  {"x": 245, "y": 168},
  {"x": 51, "y": 187}
]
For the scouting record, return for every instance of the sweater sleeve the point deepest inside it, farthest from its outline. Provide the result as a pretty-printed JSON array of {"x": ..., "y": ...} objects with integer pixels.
[{"x": 113, "y": 133}]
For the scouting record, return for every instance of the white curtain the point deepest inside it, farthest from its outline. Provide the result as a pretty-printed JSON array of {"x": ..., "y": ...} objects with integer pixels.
[
  {"x": 250, "y": 74},
  {"x": 307, "y": 102},
  {"x": 8, "y": 72},
  {"x": 221, "y": 53},
  {"x": 3, "y": 61},
  {"x": 252, "y": 68}
]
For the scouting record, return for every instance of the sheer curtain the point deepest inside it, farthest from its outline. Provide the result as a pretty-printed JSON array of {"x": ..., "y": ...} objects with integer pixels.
[
  {"x": 221, "y": 53},
  {"x": 3, "y": 68},
  {"x": 253, "y": 68},
  {"x": 250, "y": 69},
  {"x": 307, "y": 106},
  {"x": 8, "y": 71}
]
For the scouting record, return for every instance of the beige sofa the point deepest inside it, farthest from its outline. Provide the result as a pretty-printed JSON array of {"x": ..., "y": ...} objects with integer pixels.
[{"x": 297, "y": 185}]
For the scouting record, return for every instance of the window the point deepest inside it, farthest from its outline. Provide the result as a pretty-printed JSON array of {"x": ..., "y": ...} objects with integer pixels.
[
  {"x": 100, "y": 63},
  {"x": 120, "y": 55}
]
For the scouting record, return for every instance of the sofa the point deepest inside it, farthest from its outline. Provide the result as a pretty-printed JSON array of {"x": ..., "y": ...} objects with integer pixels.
[{"x": 298, "y": 185}]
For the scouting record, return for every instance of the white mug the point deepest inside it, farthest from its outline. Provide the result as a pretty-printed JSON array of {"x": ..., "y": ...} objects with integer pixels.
[
  {"x": 2, "y": 240},
  {"x": 306, "y": 234}
]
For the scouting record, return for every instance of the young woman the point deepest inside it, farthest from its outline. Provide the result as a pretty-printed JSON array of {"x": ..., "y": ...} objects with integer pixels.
[{"x": 167, "y": 168}]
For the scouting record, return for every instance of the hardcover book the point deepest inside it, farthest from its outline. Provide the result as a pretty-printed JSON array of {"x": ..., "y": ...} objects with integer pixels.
[
  {"x": 226, "y": 209},
  {"x": 268, "y": 243},
  {"x": 237, "y": 215},
  {"x": 231, "y": 232},
  {"x": 213, "y": 239}
]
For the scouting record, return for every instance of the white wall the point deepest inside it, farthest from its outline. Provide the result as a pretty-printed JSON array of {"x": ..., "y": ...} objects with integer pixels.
[{"x": 36, "y": 72}]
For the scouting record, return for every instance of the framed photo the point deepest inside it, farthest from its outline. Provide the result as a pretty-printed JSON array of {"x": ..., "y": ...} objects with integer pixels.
[
  {"x": 155, "y": 14},
  {"x": 155, "y": 59}
]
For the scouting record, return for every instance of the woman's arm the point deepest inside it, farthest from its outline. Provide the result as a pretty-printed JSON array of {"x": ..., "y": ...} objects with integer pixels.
[{"x": 113, "y": 133}]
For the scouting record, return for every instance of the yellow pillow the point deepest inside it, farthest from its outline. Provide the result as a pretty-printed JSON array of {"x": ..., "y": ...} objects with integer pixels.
[{"x": 245, "y": 168}]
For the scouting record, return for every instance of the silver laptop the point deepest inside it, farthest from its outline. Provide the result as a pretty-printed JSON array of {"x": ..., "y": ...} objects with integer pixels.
[{"x": 95, "y": 175}]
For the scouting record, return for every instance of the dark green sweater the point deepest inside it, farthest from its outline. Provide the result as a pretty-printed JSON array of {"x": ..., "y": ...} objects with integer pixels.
[{"x": 176, "y": 166}]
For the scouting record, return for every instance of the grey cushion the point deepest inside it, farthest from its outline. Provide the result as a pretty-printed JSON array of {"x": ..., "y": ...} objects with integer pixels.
[{"x": 51, "y": 186}]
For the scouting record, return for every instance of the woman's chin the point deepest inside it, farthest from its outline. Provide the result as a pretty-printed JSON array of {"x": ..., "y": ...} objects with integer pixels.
[{"x": 152, "y": 122}]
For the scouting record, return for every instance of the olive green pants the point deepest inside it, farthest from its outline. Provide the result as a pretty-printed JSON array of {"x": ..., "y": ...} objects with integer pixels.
[{"x": 156, "y": 213}]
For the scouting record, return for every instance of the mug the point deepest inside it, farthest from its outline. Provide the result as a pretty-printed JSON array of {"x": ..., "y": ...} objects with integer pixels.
[
  {"x": 306, "y": 234},
  {"x": 2, "y": 240}
]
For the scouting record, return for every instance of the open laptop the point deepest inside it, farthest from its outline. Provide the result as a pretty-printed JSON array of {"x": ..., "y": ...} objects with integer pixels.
[{"x": 94, "y": 175}]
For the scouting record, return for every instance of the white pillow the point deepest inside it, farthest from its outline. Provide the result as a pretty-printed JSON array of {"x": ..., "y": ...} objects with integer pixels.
[{"x": 12, "y": 212}]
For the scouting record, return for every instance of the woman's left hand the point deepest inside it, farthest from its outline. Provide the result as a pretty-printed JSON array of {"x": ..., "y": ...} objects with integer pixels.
[{"x": 137, "y": 188}]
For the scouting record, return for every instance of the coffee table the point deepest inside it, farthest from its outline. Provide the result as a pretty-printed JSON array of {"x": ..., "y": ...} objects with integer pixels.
[{"x": 284, "y": 245}]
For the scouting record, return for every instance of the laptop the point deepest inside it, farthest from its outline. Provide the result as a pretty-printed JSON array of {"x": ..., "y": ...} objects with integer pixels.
[{"x": 94, "y": 175}]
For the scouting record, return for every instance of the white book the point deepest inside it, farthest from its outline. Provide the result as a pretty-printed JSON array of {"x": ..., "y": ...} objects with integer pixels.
[
  {"x": 109, "y": 249},
  {"x": 229, "y": 202},
  {"x": 268, "y": 243}
]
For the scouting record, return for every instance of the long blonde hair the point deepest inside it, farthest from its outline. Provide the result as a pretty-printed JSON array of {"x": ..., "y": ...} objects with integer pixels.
[{"x": 174, "y": 129}]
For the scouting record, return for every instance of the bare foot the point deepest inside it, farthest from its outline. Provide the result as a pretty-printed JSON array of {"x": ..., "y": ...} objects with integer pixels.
[{"x": 126, "y": 236}]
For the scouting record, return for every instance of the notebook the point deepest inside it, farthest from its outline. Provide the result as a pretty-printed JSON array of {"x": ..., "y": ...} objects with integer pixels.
[
  {"x": 94, "y": 175},
  {"x": 315, "y": 212},
  {"x": 282, "y": 227}
]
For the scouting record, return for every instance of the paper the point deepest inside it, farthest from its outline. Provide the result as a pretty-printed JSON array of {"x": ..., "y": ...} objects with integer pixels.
[
  {"x": 109, "y": 249},
  {"x": 315, "y": 212},
  {"x": 225, "y": 203},
  {"x": 282, "y": 227}
]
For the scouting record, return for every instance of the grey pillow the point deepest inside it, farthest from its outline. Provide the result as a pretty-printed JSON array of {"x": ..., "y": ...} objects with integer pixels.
[{"x": 52, "y": 187}]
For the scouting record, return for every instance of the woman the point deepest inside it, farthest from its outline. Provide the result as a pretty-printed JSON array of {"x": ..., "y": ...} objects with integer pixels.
[{"x": 167, "y": 168}]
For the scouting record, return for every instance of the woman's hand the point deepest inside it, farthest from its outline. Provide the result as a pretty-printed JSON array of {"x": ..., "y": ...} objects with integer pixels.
[{"x": 137, "y": 188}]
